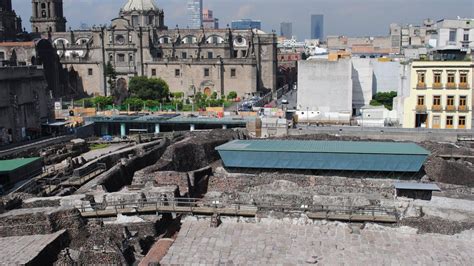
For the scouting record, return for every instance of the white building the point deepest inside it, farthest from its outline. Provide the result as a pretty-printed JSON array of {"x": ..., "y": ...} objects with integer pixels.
[
  {"x": 376, "y": 116},
  {"x": 455, "y": 34},
  {"x": 334, "y": 91},
  {"x": 325, "y": 90}
]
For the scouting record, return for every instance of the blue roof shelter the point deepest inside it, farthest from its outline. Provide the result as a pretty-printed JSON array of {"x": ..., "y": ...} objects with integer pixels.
[{"x": 323, "y": 155}]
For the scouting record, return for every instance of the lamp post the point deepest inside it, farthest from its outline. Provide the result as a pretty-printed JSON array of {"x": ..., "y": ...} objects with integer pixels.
[{"x": 307, "y": 115}]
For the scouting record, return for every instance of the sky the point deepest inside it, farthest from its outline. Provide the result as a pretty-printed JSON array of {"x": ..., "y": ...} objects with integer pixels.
[{"x": 342, "y": 17}]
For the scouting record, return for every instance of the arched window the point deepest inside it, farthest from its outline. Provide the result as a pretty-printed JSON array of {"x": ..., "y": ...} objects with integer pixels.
[
  {"x": 151, "y": 20},
  {"x": 43, "y": 14}
]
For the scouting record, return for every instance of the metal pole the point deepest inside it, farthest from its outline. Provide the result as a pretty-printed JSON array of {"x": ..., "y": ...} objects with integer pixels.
[{"x": 102, "y": 37}]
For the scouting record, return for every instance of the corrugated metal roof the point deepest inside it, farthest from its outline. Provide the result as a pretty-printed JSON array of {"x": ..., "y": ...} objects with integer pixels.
[
  {"x": 417, "y": 186},
  {"x": 301, "y": 146},
  {"x": 10, "y": 165}
]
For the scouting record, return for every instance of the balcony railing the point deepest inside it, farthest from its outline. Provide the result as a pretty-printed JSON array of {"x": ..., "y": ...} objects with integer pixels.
[
  {"x": 451, "y": 86},
  {"x": 463, "y": 86},
  {"x": 463, "y": 108},
  {"x": 421, "y": 86},
  {"x": 437, "y": 86},
  {"x": 450, "y": 108},
  {"x": 437, "y": 108},
  {"x": 421, "y": 108}
]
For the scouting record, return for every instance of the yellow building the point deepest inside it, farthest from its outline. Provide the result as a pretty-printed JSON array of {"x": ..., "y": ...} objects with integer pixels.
[{"x": 440, "y": 95}]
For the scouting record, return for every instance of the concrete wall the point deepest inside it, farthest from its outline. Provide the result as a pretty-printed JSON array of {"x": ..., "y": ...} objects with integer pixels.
[
  {"x": 362, "y": 82},
  {"x": 387, "y": 76},
  {"x": 325, "y": 86}
]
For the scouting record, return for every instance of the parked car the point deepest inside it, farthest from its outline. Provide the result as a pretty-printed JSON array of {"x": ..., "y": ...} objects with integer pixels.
[{"x": 107, "y": 138}]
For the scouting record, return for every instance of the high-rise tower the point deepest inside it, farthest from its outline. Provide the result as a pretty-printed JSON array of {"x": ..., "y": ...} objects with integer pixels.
[
  {"x": 48, "y": 16},
  {"x": 317, "y": 27},
  {"x": 194, "y": 14}
]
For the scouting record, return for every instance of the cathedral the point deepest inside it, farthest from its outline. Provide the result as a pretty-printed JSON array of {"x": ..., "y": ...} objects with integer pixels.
[
  {"x": 10, "y": 23},
  {"x": 137, "y": 43}
]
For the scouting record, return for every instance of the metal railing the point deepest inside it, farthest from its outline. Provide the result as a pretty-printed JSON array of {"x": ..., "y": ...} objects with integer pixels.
[{"x": 193, "y": 205}]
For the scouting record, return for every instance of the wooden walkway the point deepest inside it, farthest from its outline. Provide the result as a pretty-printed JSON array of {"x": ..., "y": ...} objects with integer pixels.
[{"x": 189, "y": 206}]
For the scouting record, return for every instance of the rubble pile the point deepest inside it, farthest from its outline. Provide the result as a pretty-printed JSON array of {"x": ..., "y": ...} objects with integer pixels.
[
  {"x": 37, "y": 221},
  {"x": 435, "y": 225},
  {"x": 459, "y": 172},
  {"x": 196, "y": 151}
]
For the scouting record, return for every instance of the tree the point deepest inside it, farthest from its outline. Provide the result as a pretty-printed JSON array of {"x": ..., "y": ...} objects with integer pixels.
[
  {"x": 232, "y": 95},
  {"x": 111, "y": 75},
  {"x": 148, "y": 88},
  {"x": 136, "y": 104},
  {"x": 384, "y": 98},
  {"x": 102, "y": 101}
]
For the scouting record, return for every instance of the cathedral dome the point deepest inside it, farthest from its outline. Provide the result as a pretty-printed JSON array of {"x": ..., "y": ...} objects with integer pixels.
[{"x": 140, "y": 5}]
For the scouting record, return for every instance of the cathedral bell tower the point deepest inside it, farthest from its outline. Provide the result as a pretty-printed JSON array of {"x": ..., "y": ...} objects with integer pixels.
[{"x": 48, "y": 16}]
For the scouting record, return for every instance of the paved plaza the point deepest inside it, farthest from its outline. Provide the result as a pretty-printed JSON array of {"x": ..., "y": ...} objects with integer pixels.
[{"x": 329, "y": 244}]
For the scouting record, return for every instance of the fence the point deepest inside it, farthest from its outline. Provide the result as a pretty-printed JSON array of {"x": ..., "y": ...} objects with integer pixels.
[{"x": 210, "y": 207}]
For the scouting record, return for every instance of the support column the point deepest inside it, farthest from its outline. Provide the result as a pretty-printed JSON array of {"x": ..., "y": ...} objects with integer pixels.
[
  {"x": 123, "y": 131},
  {"x": 104, "y": 129},
  {"x": 192, "y": 127},
  {"x": 157, "y": 128}
]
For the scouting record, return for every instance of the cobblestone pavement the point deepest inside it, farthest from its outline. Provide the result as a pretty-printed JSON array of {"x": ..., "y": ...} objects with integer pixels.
[{"x": 330, "y": 244}]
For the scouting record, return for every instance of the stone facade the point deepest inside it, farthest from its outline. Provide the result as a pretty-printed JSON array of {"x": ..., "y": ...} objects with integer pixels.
[
  {"x": 206, "y": 60},
  {"x": 47, "y": 16},
  {"x": 24, "y": 103},
  {"x": 10, "y": 24}
]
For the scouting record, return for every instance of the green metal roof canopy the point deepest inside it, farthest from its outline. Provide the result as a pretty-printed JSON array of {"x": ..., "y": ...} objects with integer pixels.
[
  {"x": 11, "y": 165},
  {"x": 324, "y": 155}
]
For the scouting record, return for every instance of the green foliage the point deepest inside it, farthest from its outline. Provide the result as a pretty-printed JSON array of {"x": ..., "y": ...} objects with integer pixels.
[
  {"x": 102, "y": 101},
  {"x": 136, "y": 104},
  {"x": 214, "y": 95},
  {"x": 98, "y": 146},
  {"x": 111, "y": 76},
  {"x": 86, "y": 102},
  {"x": 152, "y": 103},
  {"x": 148, "y": 88},
  {"x": 177, "y": 95},
  {"x": 384, "y": 98},
  {"x": 232, "y": 95}
]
